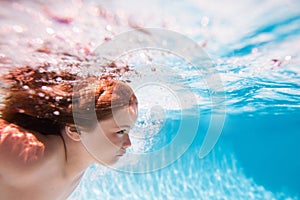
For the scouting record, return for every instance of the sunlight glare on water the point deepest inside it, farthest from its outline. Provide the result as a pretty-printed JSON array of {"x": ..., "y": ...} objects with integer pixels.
[{"x": 256, "y": 54}]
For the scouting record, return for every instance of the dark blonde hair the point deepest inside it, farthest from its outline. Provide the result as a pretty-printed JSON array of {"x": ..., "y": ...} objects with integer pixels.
[{"x": 41, "y": 100}]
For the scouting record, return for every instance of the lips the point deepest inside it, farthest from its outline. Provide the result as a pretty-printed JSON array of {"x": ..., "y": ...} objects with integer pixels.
[{"x": 121, "y": 153}]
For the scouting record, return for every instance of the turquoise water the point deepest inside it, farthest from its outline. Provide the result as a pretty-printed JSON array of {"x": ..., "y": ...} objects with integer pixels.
[
  {"x": 255, "y": 158},
  {"x": 255, "y": 49}
]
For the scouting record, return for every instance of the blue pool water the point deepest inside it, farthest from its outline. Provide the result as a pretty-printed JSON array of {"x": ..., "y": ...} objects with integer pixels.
[
  {"x": 255, "y": 158},
  {"x": 255, "y": 50}
]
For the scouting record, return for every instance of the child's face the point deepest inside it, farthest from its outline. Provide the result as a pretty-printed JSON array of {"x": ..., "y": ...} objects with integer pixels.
[{"x": 110, "y": 139}]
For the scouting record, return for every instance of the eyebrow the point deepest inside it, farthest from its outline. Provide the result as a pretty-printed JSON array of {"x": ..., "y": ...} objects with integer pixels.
[{"x": 124, "y": 126}]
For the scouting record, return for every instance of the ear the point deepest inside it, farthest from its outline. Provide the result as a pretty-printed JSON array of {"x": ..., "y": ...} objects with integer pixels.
[{"x": 72, "y": 132}]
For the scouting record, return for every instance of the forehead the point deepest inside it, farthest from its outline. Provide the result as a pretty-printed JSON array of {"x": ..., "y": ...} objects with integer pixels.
[{"x": 124, "y": 117}]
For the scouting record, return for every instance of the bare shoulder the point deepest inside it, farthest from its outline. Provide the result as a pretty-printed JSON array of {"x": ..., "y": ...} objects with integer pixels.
[{"x": 19, "y": 148}]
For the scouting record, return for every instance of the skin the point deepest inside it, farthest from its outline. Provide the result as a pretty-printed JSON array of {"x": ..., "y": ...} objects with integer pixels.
[{"x": 49, "y": 171}]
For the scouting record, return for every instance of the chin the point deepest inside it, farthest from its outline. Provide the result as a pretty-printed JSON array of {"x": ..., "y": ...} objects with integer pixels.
[
  {"x": 111, "y": 162},
  {"x": 108, "y": 162},
  {"x": 115, "y": 160}
]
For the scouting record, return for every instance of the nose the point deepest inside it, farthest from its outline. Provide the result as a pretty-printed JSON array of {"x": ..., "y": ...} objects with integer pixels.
[{"x": 127, "y": 142}]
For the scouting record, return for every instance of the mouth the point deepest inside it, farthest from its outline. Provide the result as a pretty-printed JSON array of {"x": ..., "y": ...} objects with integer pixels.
[{"x": 121, "y": 153}]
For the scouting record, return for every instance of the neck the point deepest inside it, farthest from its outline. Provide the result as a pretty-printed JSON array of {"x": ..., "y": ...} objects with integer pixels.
[{"x": 76, "y": 158}]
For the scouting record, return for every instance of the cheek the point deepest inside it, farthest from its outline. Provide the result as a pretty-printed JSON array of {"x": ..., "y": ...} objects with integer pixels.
[
  {"x": 116, "y": 140},
  {"x": 112, "y": 140}
]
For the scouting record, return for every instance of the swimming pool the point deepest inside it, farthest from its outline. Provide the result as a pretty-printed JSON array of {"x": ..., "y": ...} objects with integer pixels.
[{"x": 255, "y": 50}]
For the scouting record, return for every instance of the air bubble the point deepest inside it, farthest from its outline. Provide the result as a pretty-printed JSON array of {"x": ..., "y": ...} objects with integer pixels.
[
  {"x": 58, "y": 98},
  {"x": 108, "y": 28},
  {"x": 25, "y": 87},
  {"x": 49, "y": 30},
  {"x": 41, "y": 94},
  {"x": 56, "y": 112},
  {"x": 204, "y": 21},
  {"x": 31, "y": 92},
  {"x": 254, "y": 50},
  {"x": 44, "y": 87},
  {"x": 21, "y": 110},
  {"x": 58, "y": 79},
  {"x": 288, "y": 57}
]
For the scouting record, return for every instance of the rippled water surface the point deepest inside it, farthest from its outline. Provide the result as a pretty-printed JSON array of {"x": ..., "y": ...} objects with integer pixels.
[{"x": 255, "y": 49}]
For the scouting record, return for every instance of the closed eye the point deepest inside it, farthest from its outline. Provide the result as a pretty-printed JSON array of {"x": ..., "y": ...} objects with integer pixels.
[{"x": 121, "y": 131}]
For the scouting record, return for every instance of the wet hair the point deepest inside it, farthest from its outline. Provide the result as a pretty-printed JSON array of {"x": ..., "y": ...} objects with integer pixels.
[{"x": 43, "y": 101}]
